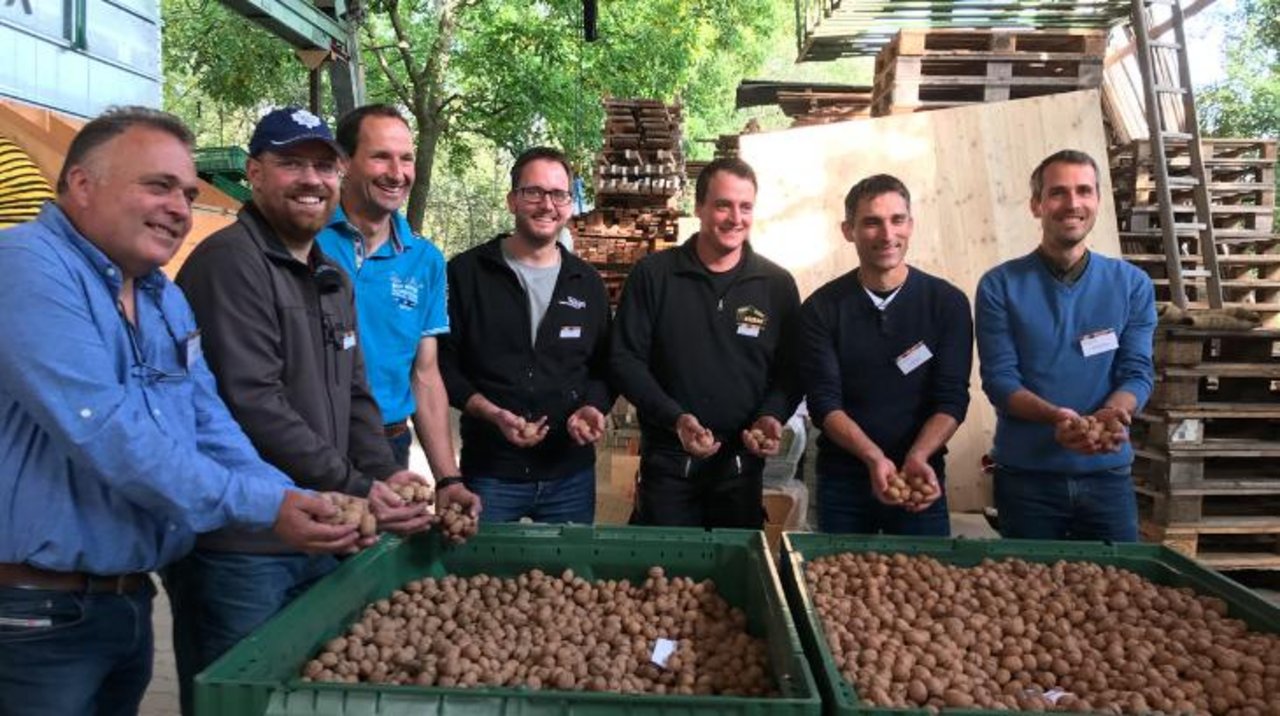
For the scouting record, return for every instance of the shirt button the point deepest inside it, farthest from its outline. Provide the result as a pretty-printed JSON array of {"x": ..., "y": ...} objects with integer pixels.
[
  {"x": 173, "y": 527},
  {"x": 86, "y": 413},
  {"x": 111, "y": 271},
  {"x": 156, "y": 412}
]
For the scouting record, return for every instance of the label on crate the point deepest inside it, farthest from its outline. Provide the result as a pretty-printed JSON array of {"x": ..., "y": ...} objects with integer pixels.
[{"x": 662, "y": 651}]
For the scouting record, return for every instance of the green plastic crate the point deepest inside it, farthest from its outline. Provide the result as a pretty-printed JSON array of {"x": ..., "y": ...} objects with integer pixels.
[
  {"x": 1157, "y": 563},
  {"x": 260, "y": 675},
  {"x": 221, "y": 160}
]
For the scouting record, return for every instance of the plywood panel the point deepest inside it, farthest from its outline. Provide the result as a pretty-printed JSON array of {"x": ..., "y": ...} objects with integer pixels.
[{"x": 967, "y": 169}]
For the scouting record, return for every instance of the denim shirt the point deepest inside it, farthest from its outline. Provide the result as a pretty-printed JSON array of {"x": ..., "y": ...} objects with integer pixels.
[{"x": 115, "y": 450}]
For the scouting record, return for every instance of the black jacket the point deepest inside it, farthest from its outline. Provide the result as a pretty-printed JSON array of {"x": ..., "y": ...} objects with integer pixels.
[
  {"x": 488, "y": 351},
  {"x": 279, "y": 335},
  {"x": 679, "y": 347}
]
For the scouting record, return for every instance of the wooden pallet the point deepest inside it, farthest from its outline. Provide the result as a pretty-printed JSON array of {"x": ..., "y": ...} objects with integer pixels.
[
  {"x": 1257, "y": 219},
  {"x": 930, "y": 93},
  {"x": 1191, "y": 386},
  {"x": 956, "y": 41},
  {"x": 1223, "y": 543},
  {"x": 1143, "y": 193},
  {"x": 1139, "y": 151}
]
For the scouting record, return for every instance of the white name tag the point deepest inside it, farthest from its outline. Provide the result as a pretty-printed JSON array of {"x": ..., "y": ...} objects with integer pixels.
[
  {"x": 914, "y": 357},
  {"x": 1099, "y": 342},
  {"x": 571, "y": 332},
  {"x": 348, "y": 340},
  {"x": 746, "y": 329}
]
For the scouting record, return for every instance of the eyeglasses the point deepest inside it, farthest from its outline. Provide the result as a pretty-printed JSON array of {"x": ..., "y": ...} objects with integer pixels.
[
  {"x": 326, "y": 168},
  {"x": 144, "y": 370},
  {"x": 535, "y": 195}
]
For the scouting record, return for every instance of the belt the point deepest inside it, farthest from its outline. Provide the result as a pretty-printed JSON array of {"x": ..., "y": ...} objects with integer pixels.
[
  {"x": 395, "y": 430},
  {"x": 24, "y": 576}
]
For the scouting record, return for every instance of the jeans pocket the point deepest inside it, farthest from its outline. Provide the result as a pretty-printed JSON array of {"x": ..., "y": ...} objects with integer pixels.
[{"x": 31, "y": 614}]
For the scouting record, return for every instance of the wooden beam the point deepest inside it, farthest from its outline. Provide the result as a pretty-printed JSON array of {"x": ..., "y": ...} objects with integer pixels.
[{"x": 1156, "y": 32}]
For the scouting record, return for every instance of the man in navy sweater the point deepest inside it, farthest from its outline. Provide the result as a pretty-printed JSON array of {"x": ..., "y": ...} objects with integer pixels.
[
  {"x": 1064, "y": 333},
  {"x": 888, "y": 350}
]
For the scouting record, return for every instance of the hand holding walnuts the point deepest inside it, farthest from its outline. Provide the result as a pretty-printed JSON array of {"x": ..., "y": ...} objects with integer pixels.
[
  {"x": 1104, "y": 431},
  {"x": 913, "y": 491},
  {"x": 764, "y": 438},
  {"x": 402, "y": 504},
  {"x": 586, "y": 425},
  {"x": 352, "y": 511},
  {"x": 696, "y": 440}
]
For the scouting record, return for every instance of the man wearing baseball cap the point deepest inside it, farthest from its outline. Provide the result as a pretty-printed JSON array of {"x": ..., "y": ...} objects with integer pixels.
[{"x": 279, "y": 331}]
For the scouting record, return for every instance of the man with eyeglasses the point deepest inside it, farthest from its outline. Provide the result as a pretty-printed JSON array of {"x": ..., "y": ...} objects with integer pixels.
[
  {"x": 1065, "y": 333},
  {"x": 526, "y": 357},
  {"x": 399, "y": 282},
  {"x": 115, "y": 450},
  {"x": 887, "y": 354},
  {"x": 703, "y": 348},
  {"x": 279, "y": 327}
]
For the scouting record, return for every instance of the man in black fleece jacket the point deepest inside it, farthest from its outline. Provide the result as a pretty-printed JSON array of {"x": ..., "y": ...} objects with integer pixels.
[
  {"x": 526, "y": 357},
  {"x": 701, "y": 347},
  {"x": 279, "y": 331},
  {"x": 887, "y": 354}
]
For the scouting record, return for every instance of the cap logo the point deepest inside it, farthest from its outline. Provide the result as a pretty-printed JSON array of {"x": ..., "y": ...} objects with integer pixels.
[{"x": 305, "y": 119}]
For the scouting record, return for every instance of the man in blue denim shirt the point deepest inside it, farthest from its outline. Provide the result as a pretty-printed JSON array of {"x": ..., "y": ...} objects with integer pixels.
[{"x": 115, "y": 450}]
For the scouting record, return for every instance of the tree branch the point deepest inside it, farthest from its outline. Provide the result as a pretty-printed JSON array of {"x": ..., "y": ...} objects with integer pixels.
[{"x": 402, "y": 92}]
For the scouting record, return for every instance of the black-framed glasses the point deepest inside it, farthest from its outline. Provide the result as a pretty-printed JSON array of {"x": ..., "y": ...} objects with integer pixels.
[
  {"x": 535, "y": 195},
  {"x": 144, "y": 370}
]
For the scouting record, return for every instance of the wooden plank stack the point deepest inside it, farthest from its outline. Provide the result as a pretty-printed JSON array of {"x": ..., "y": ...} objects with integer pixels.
[
  {"x": 1207, "y": 466},
  {"x": 1242, "y": 193},
  {"x": 932, "y": 69},
  {"x": 640, "y": 172}
]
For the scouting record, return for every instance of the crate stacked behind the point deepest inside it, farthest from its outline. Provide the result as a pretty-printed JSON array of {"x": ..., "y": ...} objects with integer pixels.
[
  {"x": 1242, "y": 196},
  {"x": 931, "y": 69},
  {"x": 640, "y": 172},
  {"x": 1207, "y": 447}
]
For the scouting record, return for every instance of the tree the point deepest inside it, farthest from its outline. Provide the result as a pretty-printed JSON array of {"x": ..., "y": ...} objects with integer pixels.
[
  {"x": 1247, "y": 102},
  {"x": 506, "y": 73}
]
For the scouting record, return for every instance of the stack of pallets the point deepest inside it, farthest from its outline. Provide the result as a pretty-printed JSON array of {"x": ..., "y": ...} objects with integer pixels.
[
  {"x": 932, "y": 69},
  {"x": 1207, "y": 465},
  {"x": 640, "y": 172},
  {"x": 1242, "y": 195}
]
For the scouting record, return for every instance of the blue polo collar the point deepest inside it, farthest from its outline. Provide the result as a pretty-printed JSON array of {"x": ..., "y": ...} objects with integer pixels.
[{"x": 399, "y": 227}]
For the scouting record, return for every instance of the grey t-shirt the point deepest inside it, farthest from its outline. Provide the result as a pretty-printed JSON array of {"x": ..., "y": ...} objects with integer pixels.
[{"x": 538, "y": 282}]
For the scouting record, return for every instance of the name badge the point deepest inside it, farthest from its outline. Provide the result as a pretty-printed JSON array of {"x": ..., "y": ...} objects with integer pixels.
[
  {"x": 348, "y": 340},
  {"x": 191, "y": 349},
  {"x": 746, "y": 329},
  {"x": 571, "y": 332},
  {"x": 914, "y": 357},
  {"x": 1103, "y": 341}
]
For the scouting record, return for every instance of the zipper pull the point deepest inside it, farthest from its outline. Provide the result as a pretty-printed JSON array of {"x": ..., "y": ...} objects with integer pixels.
[{"x": 720, "y": 304}]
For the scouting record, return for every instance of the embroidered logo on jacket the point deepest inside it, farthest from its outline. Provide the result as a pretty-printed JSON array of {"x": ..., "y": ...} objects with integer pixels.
[
  {"x": 405, "y": 292},
  {"x": 571, "y": 302}
]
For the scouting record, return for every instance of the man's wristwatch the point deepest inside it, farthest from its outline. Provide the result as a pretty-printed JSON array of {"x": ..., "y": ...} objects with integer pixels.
[{"x": 446, "y": 482}]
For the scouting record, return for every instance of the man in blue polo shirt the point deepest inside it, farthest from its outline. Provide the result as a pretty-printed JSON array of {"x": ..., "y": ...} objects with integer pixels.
[{"x": 399, "y": 281}]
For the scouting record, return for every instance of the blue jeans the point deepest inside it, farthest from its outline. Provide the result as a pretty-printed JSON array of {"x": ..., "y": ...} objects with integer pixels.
[
  {"x": 70, "y": 653},
  {"x": 218, "y": 598},
  {"x": 846, "y": 505},
  {"x": 1044, "y": 505},
  {"x": 569, "y": 499}
]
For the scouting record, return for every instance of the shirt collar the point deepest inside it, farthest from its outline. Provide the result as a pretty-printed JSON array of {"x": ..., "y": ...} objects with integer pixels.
[
  {"x": 54, "y": 219},
  {"x": 399, "y": 227},
  {"x": 1068, "y": 276}
]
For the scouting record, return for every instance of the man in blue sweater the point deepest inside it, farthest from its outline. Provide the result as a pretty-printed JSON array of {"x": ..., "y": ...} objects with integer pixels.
[
  {"x": 887, "y": 354},
  {"x": 1065, "y": 333}
]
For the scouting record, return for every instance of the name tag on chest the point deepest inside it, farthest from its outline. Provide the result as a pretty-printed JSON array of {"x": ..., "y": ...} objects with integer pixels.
[
  {"x": 1104, "y": 341},
  {"x": 190, "y": 350},
  {"x": 914, "y": 357},
  {"x": 348, "y": 340},
  {"x": 571, "y": 332}
]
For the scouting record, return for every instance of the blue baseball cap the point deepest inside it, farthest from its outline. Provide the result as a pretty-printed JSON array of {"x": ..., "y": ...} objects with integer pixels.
[{"x": 285, "y": 127}]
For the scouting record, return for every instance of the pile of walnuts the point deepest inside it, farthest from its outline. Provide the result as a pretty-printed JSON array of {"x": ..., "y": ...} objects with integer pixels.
[
  {"x": 456, "y": 524},
  {"x": 913, "y": 632},
  {"x": 540, "y": 631}
]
